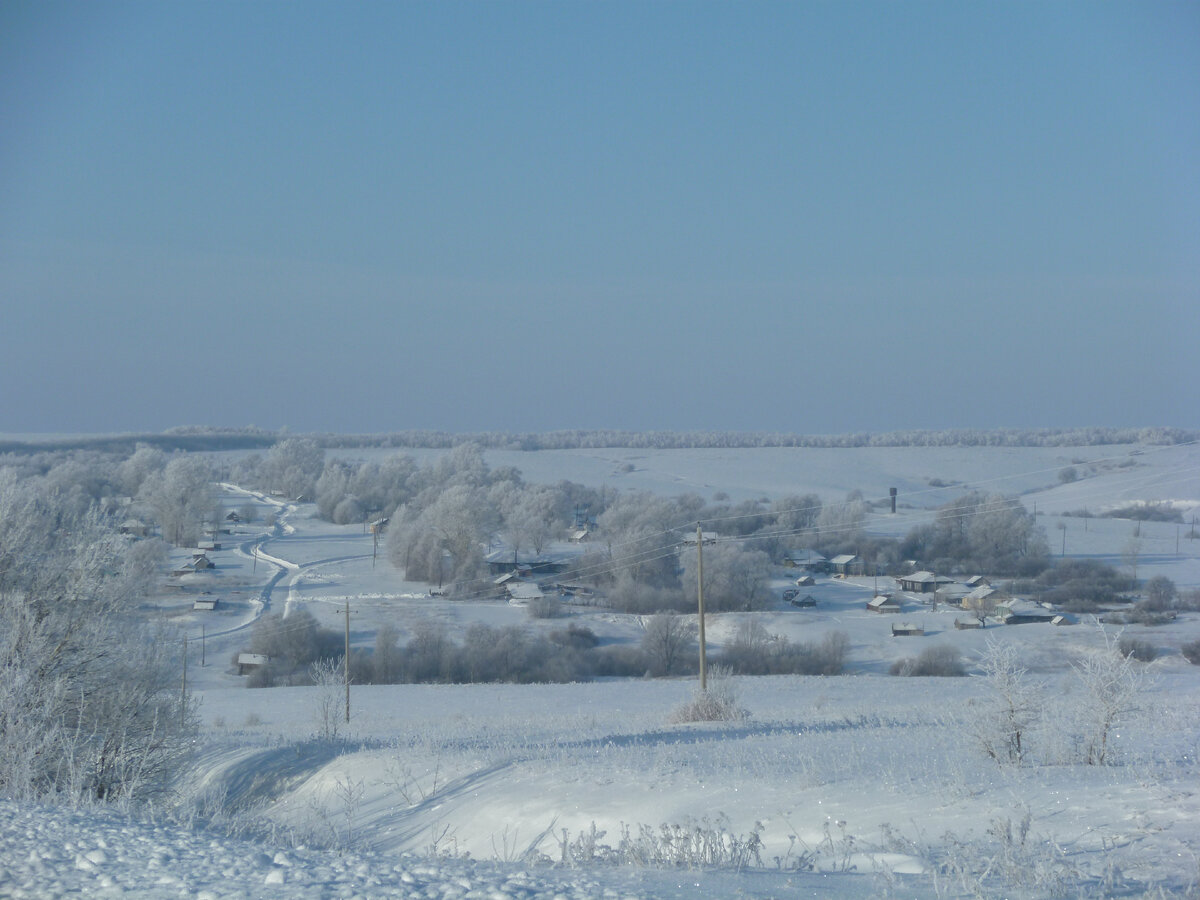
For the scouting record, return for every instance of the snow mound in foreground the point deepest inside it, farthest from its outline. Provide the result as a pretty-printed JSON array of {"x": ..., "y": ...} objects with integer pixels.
[{"x": 51, "y": 852}]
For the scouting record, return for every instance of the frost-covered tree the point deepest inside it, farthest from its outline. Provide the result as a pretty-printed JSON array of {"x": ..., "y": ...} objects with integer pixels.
[
  {"x": 89, "y": 701},
  {"x": 443, "y": 541},
  {"x": 133, "y": 471},
  {"x": 180, "y": 496},
  {"x": 293, "y": 466},
  {"x": 734, "y": 578},
  {"x": 1012, "y": 708},
  {"x": 980, "y": 532},
  {"x": 1111, "y": 686}
]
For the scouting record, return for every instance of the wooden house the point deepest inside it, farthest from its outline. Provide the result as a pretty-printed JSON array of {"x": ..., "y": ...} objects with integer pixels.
[
  {"x": 808, "y": 560},
  {"x": 883, "y": 603},
  {"x": 923, "y": 582},
  {"x": 846, "y": 564}
]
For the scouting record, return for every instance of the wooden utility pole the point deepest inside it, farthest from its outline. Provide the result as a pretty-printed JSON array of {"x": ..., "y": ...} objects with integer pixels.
[
  {"x": 700, "y": 604},
  {"x": 183, "y": 687},
  {"x": 203, "y": 661},
  {"x": 346, "y": 662}
]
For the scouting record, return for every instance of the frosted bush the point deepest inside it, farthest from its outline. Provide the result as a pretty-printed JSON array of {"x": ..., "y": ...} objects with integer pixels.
[{"x": 719, "y": 703}]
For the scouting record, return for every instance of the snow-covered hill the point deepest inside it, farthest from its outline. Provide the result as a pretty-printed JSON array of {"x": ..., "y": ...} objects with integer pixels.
[{"x": 856, "y": 786}]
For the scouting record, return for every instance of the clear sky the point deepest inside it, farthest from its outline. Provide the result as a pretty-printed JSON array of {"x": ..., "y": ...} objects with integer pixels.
[{"x": 809, "y": 217}]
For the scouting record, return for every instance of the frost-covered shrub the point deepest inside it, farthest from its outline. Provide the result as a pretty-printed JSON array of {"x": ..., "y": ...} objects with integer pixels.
[
  {"x": 544, "y": 607},
  {"x": 754, "y": 652},
  {"x": 719, "y": 703},
  {"x": 578, "y": 636},
  {"x": 941, "y": 660},
  {"x": 1191, "y": 652},
  {"x": 1135, "y": 648}
]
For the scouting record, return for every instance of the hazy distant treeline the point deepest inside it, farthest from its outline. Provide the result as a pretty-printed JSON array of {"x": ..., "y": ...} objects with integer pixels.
[{"x": 204, "y": 438}]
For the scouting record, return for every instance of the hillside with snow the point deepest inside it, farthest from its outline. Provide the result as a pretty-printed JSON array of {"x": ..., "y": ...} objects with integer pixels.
[{"x": 859, "y": 785}]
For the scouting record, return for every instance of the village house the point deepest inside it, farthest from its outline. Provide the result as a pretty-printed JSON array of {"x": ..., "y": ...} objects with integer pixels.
[
  {"x": 923, "y": 582},
  {"x": 846, "y": 564},
  {"x": 808, "y": 560},
  {"x": 1024, "y": 612}
]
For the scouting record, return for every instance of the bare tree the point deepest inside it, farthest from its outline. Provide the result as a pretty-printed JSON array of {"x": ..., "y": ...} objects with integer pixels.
[{"x": 667, "y": 641}]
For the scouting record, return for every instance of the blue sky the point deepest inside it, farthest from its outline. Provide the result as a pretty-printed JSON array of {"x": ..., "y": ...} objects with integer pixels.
[{"x": 812, "y": 217}]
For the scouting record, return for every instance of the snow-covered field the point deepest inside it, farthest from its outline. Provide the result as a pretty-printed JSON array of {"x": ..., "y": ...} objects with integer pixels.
[{"x": 862, "y": 785}]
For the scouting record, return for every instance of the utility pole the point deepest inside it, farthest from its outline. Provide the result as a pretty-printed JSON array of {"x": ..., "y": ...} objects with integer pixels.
[
  {"x": 203, "y": 661},
  {"x": 346, "y": 662},
  {"x": 183, "y": 687},
  {"x": 700, "y": 604}
]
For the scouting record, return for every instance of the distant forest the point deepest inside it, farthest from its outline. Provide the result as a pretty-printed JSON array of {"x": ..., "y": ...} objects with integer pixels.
[{"x": 209, "y": 439}]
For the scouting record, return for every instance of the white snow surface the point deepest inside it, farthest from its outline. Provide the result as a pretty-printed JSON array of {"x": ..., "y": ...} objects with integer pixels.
[{"x": 862, "y": 785}]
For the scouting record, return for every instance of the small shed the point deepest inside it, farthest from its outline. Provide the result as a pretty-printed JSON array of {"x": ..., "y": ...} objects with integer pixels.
[
  {"x": 805, "y": 581},
  {"x": 248, "y": 661},
  {"x": 204, "y": 604},
  {"x": 1062, "y": 620},
  {"x": 883, "y": 603},
  {"x": 908, "y": 629},
  {"x": 803, "y": 602},
  {"x": 135, "y": 527},
  {"x": 966, "y": 624},
  {"x": 520, "y": 592}
]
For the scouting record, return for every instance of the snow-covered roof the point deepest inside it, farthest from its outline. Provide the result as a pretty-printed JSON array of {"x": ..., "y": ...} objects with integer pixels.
[
  {"x": 524, "y": 591},
  {"x": 927, "y": 578},
  {"x": 982, "y": 592},
  {"x": 843, "y": 559},
  {"x": 805, "y": 557}
]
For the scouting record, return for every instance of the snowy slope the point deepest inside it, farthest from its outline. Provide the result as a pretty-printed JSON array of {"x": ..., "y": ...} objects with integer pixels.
[{"x": 856, "y": 786}]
